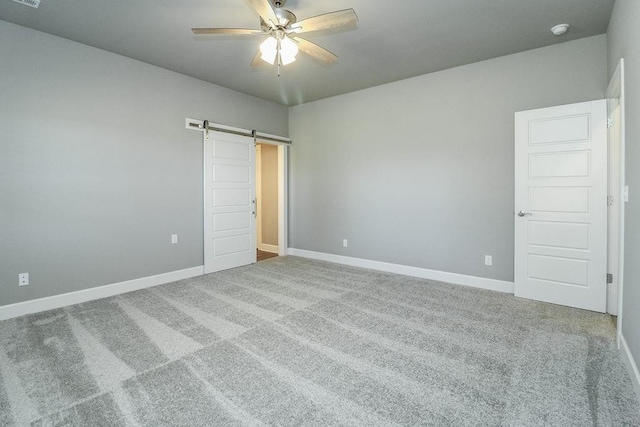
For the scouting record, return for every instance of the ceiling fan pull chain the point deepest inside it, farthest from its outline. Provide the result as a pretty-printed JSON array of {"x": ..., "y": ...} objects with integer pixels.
[{"x": 279, "y": 56}]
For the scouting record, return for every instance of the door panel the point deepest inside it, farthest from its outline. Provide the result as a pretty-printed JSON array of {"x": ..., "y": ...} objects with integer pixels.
[
  {"x": 231, "y": 150},
  {"x": 223, "y": 197},
  {"x": 231, "y": 221},
  {"x": 559, "y": 199},
  {"x": 229, "y": 214},
  {"x": 564, "y": 271},
  {"x": 564, "y": 235},
  {"x": 232, "y": 173},
  {"x": 557, "y": 130},
  {"x": 561, "y": 189},
  {"x": 231, "y": 245},
  {"x": 559, "y": 165}
]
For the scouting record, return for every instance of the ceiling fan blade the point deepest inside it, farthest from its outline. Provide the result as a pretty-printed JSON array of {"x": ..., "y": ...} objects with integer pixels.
[
  {"x": 323, "y": 22},
  {"x": 266, "y": 12},
  {"x": 226, "y": 31},
  {"x": 315, "y": 51}
]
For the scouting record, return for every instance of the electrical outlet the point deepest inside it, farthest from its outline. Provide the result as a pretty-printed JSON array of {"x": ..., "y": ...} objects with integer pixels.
[
  {"x": 23, "y": 279},
  {"x": 345, "y": 243},
  {"x": 488, "y": 260},
  {"x": 174, "y": 239}
]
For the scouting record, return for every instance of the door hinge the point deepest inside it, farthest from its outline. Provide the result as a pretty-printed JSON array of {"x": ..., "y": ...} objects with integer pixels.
[
  {"x": 610, "y": 123},
  {"x": 609, "y": 200},
  {"x": 609, "y": 278}
]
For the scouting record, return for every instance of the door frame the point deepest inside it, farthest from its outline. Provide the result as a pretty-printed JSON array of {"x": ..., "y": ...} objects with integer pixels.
[
  {"x": 613, "y": 203},
  {"x": 258, "y": 149},
  {"x": 283, "y": 187},
  {"x": 615, "y": 91},
  {"x": 261, "y": 245},
  {"x": 283, "y": 174}
]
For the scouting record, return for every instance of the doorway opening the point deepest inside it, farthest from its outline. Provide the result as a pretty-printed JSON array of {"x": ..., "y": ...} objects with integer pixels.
[{"x": 267, "y": 201}]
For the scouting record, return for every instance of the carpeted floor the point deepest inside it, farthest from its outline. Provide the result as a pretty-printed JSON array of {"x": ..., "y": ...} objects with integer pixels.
[{"x": 291, "y": 341}]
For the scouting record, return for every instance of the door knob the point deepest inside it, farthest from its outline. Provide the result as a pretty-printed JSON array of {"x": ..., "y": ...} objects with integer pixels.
[{"x": 522, "y": 213}]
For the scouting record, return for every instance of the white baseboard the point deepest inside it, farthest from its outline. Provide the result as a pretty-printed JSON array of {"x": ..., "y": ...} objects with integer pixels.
[
  {"x": 268, "y": 248},
  {"x": 631, "y": 365},
  {"x": 423, "y": 273},
  {"x": 77, "y": 297}
]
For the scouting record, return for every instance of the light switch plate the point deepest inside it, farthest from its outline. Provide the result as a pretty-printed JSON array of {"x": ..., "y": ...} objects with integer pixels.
[
  {"x": 174, "y": 239},
  {"x": 625, "y": 194}
]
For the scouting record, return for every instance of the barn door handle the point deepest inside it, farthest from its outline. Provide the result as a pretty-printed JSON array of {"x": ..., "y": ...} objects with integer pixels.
[{"x": 522, "y": 213}]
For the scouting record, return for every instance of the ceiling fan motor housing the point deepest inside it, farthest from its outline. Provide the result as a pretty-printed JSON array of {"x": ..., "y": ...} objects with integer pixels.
[{"x": 285, "y": 17}]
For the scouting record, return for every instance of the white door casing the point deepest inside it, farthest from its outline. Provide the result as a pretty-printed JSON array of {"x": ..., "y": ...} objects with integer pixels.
[
  {"x": 263, "y": 200},
  {"x": 229, "y": 199},
  {"x": 561, "y": 188},
  {"x": 259, "y": 195},
  {"x": 616, "y": 92},
  {"x": 614, "y": 205}
]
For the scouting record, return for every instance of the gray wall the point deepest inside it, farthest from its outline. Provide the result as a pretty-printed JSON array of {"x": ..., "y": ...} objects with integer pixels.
[
  {"x": 269, "y": 200},
  {"x": 420, "y": 172},
  {"x": 97, "y": 168},
  {"x": 624, "y": 42}
]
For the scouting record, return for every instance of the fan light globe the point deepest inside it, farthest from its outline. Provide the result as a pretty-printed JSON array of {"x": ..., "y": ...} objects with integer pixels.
[
  {"x": 288, "y": 50},
  {"x": 269, "y": 49}
]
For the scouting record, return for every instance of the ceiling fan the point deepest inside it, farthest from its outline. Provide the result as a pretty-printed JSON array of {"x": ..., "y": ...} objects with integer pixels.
[{"x": 282, "y": 27}]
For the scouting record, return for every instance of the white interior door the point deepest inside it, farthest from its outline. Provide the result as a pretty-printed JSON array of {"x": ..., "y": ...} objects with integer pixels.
[
  {"x": 229, "y": 213},
  {"x": 561, "y": 205}
]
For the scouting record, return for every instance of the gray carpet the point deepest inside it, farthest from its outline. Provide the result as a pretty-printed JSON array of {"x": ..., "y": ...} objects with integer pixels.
[{"x": 291, "y": 341}]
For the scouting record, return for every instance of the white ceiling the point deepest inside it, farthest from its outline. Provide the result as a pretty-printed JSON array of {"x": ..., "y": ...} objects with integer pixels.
[{"x": 392, "y": 40}]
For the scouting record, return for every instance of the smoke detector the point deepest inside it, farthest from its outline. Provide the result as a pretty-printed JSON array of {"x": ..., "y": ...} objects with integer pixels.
[
  {"x": 558, "y": 30},
  {"x": 30, "y": 3}
]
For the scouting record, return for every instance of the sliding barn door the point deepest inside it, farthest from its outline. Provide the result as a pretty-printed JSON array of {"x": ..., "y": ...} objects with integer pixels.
[
  {"x": 229, "y": 213},
  {"x": 561, "y": 205}
]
